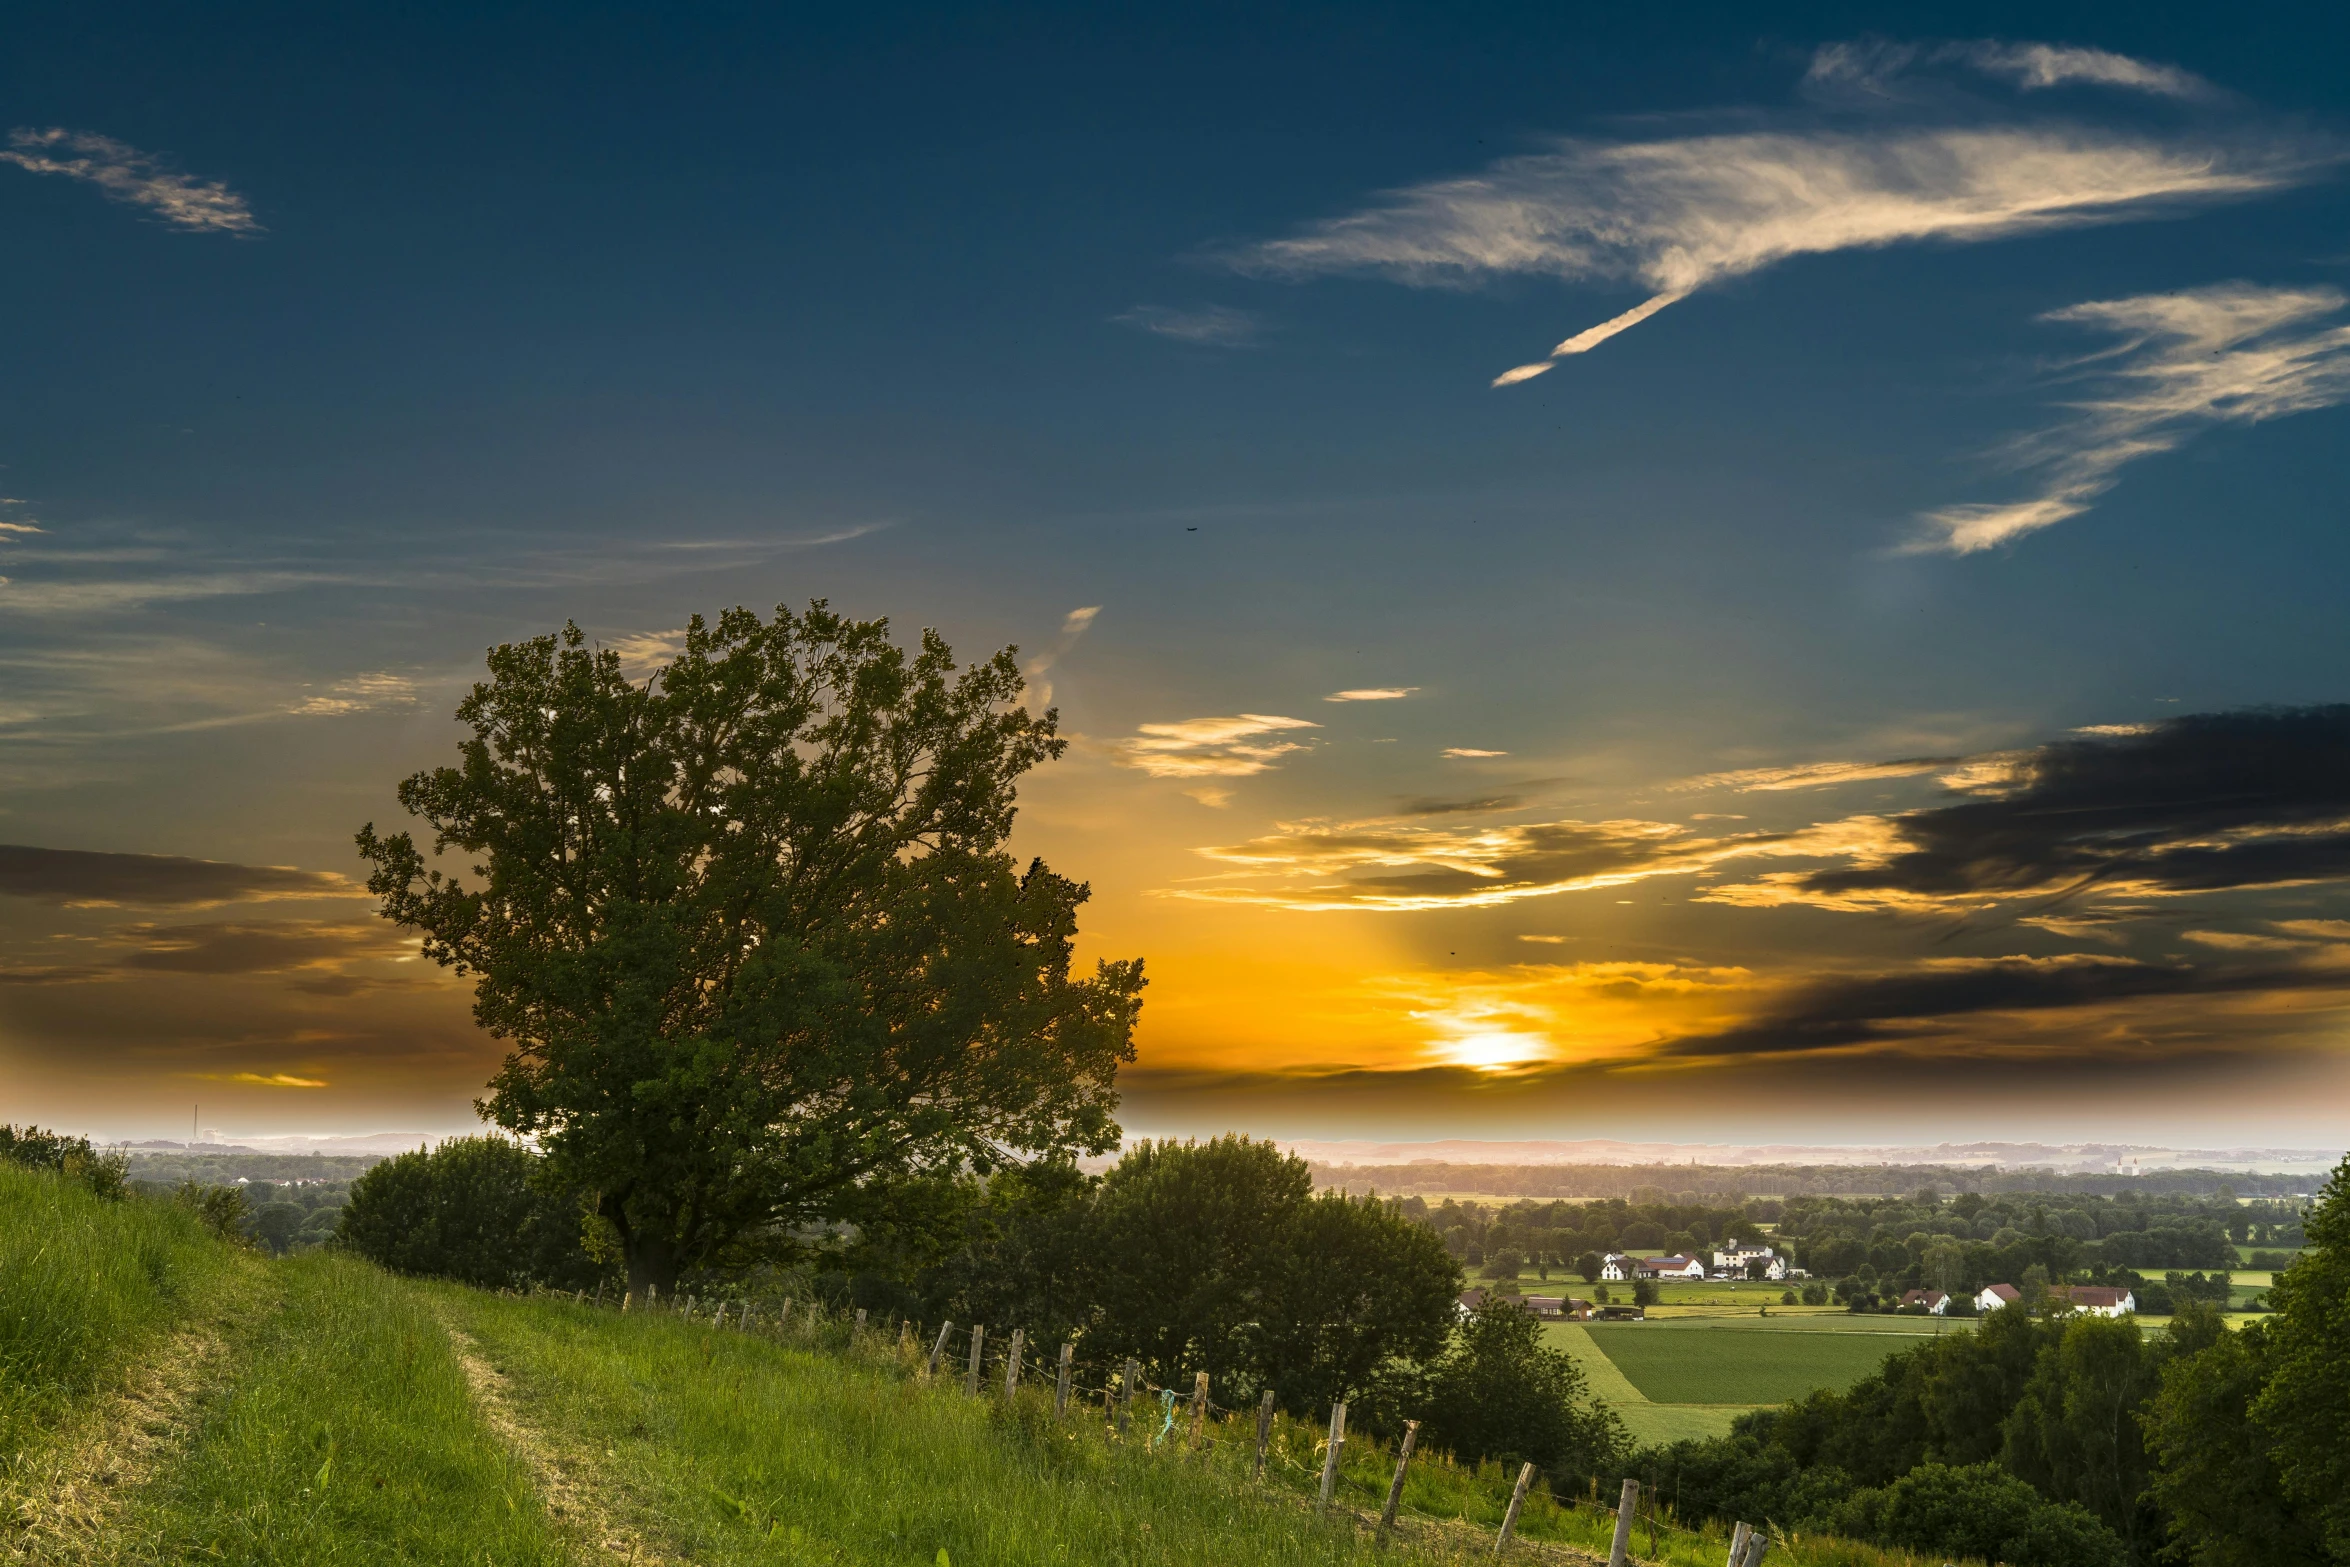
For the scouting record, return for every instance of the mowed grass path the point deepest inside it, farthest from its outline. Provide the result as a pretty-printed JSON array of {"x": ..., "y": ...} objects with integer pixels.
[{"x": 345, "y": 1433}]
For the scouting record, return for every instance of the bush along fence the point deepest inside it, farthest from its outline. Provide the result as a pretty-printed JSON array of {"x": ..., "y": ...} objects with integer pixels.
[{"x": 1397, "y": 1491}]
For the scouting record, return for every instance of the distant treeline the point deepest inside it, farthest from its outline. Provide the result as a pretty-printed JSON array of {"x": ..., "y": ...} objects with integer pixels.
[
  {"x": 234, "y": 1164},
  {"x": 1692, "y": 1185}
]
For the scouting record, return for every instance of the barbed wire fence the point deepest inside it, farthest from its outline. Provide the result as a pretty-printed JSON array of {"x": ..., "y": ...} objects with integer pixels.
[{"x": 977, "y": 1362}]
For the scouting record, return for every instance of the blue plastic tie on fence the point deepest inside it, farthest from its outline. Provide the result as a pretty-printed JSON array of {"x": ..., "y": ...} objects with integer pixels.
[{"x": 1167, "y": 1409}]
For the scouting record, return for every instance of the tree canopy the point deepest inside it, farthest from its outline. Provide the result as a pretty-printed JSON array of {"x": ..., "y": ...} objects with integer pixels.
[{"x": 751, "y": 930}]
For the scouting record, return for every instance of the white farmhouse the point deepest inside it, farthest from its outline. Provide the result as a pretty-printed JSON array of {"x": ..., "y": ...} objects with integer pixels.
[
  {"x": 2092, "y": 1300},
  {"x": 1995, "y": 1296},
  {"x": 1616, "y": 1267}
]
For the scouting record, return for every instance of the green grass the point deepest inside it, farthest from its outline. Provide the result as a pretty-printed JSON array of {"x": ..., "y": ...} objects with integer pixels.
[
  {"x": 87, "y": 1288},
  {"x": 1705, "y": 1364},
  {"x": 345, "y": 1434},
  {"x": 728, "y": 1448},
  {"x": 337, "y": 1427}
]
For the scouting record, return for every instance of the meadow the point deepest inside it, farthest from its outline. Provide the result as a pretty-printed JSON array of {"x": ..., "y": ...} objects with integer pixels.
[
  {"x": 1672, "y": 1378},
  {"x": 332, "y": 1413}
]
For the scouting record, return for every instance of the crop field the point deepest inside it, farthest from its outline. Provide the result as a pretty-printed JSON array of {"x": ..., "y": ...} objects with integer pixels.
[
  {"x": 1669, "y": 1378},
  {"x": 1671, "y": 1363}
]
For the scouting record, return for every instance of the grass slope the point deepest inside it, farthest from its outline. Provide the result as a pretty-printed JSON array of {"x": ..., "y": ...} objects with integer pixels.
[
  {"x": 730, "y": 1448},
  {"x": 87, "y": 1289},
  {"x": 347, "y": 1417},
  {"x": 347, "y": 1433}
]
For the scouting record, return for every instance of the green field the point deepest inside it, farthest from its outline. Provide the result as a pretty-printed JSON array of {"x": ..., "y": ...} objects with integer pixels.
[
  {"x": 1670, "y": 1379},
  {"x": 1705, "y": 1363}
]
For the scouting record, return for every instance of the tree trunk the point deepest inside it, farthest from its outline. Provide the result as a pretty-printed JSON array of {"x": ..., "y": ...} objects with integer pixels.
[{"x": 652, "y": 1265}]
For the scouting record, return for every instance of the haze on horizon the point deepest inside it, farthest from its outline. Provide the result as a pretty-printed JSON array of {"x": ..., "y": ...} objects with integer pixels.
[{"x": 1693, "y": 580}]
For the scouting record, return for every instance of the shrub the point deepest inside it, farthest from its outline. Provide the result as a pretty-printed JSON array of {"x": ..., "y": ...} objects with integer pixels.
[
  {"x": 1499, "y": 1393},
  {"x": 469, "y": 1210},
  {"x": 106, "y": 1175},
  {"x": 1980, "y": 1510}
]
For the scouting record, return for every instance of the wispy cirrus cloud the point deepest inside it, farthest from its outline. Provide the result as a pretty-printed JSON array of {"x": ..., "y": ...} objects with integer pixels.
[
  {"x": 1074, "y": 625},
  {"x": 126, "y": 174},
  {"x": 1877, "y": 66},
  {"x": 1403, "y": 866},
  {"x": 1676, "y": 214},
  {"x": 1467, "y": 752},
  {"x": 1208, "y": 326},
  {"x": 1240, "y": 746},
  {"x": 1816, "y": 775},
  {"x": 2233, "y": 353},
  {"x": 1372, "y": 694},
  {"x": 359, "y": 694}
]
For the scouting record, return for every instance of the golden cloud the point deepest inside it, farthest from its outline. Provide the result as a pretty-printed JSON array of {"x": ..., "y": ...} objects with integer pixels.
[{"x": 1233, "y": 747}]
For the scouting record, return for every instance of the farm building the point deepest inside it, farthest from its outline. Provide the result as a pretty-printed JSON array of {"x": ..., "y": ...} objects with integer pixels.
[
  {"x": 1933, "y": 1300},
  {"x": 2091, "y": 1299},
  {"x": 1540, "y": 1305},
  {"x": 1616, "y": 1267},
  {"x": 1995, "y": 1296},
  {"x": 1672, "y": 1268},
  {"x": 1732, "y": 1258}
]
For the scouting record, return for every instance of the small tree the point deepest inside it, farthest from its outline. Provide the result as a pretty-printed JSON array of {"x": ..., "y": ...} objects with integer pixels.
[
  {"x": 1588, "y": 1266},
  {"x": 469, "y": 1210},
  {"x": 751, "y": 931},
  {"x": 1499, "y": 1393}
]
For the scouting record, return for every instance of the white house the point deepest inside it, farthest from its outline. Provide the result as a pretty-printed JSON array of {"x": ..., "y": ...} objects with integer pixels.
[
  {"x": 1615, "y": 1267},
  {"x": 1731, "y": 1258},
  {"x": 2092, "y": 1300},
  {"x": 1995, "y": 1296},
  {"x": 1933, "y": 1300},
  {"x": 1673, "y": 1268}
]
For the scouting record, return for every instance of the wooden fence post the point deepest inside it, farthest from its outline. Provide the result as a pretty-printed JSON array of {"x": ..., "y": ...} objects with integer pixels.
[
  {"x": 971, "y": 1376},
  {"x": 937, "y": 1350},
  {"x": 1264, "y": 1431},
  {"x": 1757, "y": 1544},
  {"x": 1620, "y": 1553},
  {"x": 1403, "y": 1461},
  {"x": 1738, "y": 1538},
  {"x": 1126, "y": 1385},
  {"x": 857, "y": 1328},
  {"x": 1199, "y": 1407},
  {"x": 905, "y": 1336},
  {"x": 783, "y": 1315},
  {"x": 1061, "y": 1382},
  {"x": 1331, "y": 1450},
  {"x": 627, "y": 1300},
  {"x": 1509, "y": 1520},
  {"x": 599, "y": 1292},
  {"x": 1012, "y": 1363}
]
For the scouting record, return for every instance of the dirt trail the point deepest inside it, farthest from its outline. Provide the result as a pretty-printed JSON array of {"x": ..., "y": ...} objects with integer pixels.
[
  {"x": 59, "y": 1506},
  {"x": 566, "y": 1479}
]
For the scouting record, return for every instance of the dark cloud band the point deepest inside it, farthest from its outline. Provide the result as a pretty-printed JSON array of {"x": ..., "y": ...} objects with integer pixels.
[{"x": 86, "y": 877}]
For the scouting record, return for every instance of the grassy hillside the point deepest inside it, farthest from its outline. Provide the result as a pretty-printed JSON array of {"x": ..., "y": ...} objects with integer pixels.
[
  {"x": 88, "y": 1289},
  {"x": 343, "y": 1416}
]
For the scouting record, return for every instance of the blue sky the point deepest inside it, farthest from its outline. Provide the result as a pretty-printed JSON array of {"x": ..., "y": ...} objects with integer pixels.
[{"x": 1995, "y": 404}]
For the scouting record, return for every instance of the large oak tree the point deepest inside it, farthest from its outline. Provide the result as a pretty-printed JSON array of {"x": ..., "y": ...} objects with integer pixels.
[{"x": 751, "y": 930}]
